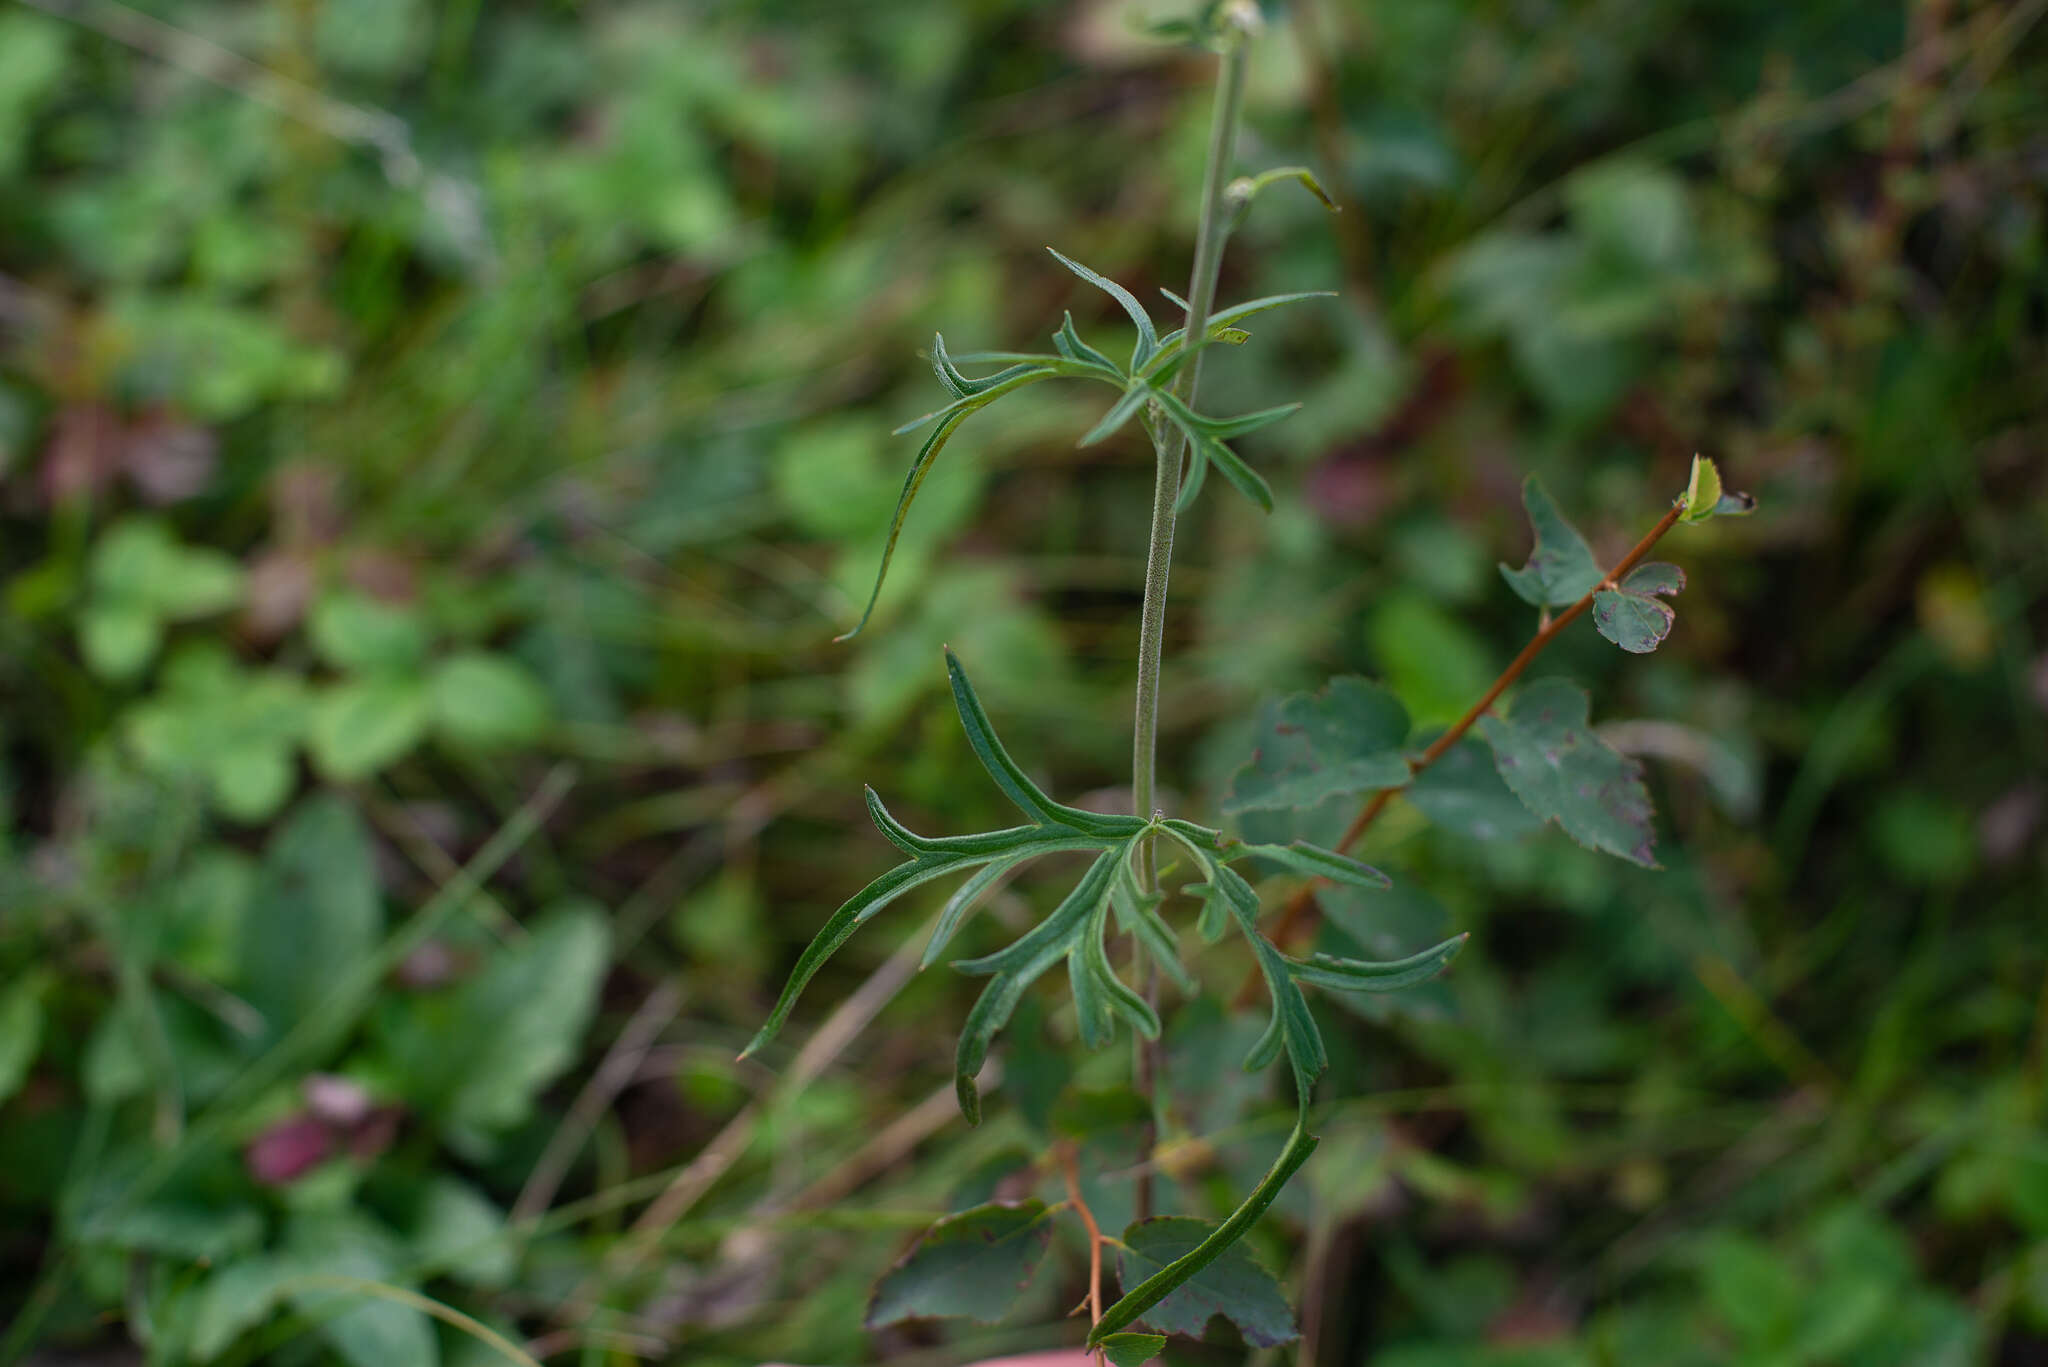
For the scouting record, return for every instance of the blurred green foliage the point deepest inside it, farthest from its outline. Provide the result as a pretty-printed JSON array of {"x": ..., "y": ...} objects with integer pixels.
[{"x": 405, "y": 409}]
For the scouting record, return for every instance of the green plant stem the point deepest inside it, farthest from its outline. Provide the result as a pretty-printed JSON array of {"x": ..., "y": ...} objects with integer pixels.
[{"x": 1170, "y": 450}]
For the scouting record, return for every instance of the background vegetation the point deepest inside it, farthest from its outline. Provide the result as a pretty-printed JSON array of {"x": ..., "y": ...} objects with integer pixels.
[{"x": 438, "y": 442}]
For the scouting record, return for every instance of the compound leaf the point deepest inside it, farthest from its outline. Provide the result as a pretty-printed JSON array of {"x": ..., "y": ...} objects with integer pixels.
[
  {"x": 970, "y": 1265},
  {"x": 1561, "y": 568},
  {"x": 1548, "y": 754},
  {"x": 1232, "y": 1284},
  {"x": 1312, "y": 746}
]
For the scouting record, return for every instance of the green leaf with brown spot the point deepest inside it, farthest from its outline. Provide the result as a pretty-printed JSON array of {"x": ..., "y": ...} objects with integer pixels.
[{"x": 1549, "y": 756}]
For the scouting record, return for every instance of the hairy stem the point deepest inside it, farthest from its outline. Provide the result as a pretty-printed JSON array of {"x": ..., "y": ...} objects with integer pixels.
[
  {"x": 1169, "y": 450},
  {"x": 1301, "y": 906}
]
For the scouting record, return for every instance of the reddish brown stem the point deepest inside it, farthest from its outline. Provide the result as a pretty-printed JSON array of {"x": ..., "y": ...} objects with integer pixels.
[
  {"x": 1072, "y": 1173},
  {"x": 1301, "y": 907}
]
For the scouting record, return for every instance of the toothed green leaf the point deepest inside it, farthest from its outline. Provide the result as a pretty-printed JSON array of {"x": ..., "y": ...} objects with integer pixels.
[
  {"x": 1549, "y": 755},
  {"x": 972, "y": 1265},
  {"x": 1232, "y": 1284},
  {"x": 1312, "y": 746},
  {"x": 1702, "y": 491},
  {"x": 1561, "y": 568}
]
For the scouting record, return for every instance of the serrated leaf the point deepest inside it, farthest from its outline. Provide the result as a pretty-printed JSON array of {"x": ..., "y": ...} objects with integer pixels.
[
  {"x": 1233, "y": 1285},
  {"x": 1017, "y": 967},
  {"x": 1364, "y": 975},
  {"x": 1008, "y": 776},
  {"x": 1561, "y": 568},
  {"x": 1312, "y": 746},
  {"x": 1463, "y": 792},
  {"x": 1131, "y": 1350},
  {"x": 972, "y": 1265},
  {"x": 1551, "y": 758},
  {"x": 1148, "y": 335},
  {"x": 1317, "y": 862}
]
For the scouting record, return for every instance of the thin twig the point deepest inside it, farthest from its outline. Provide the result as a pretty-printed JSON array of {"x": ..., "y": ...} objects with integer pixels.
[
  {"x": 1071, "y": 1171},
  {"x": 1302, "y": 905}
]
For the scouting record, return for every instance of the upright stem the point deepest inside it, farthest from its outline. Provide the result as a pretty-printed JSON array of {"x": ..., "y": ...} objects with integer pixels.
[{"x": 1170, "y": 450}]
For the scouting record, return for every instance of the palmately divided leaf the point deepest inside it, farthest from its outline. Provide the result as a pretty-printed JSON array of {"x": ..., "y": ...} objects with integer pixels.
[
  {"x": 1561, "y": 568},
  {"x": 1233, "y": 1285},
  {"x": 1549, "y": 755},
  {"x": 1017, "y": 967},
  {"x": 1148, "y": 335},
  {"x": 1364, "y": 975},
  {"x": 1317, "y": 862},
  {"x": 1008, "y": 776},
  {"x": 1347, "y": 738},
  {"x": 972, "y": 1265}
]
